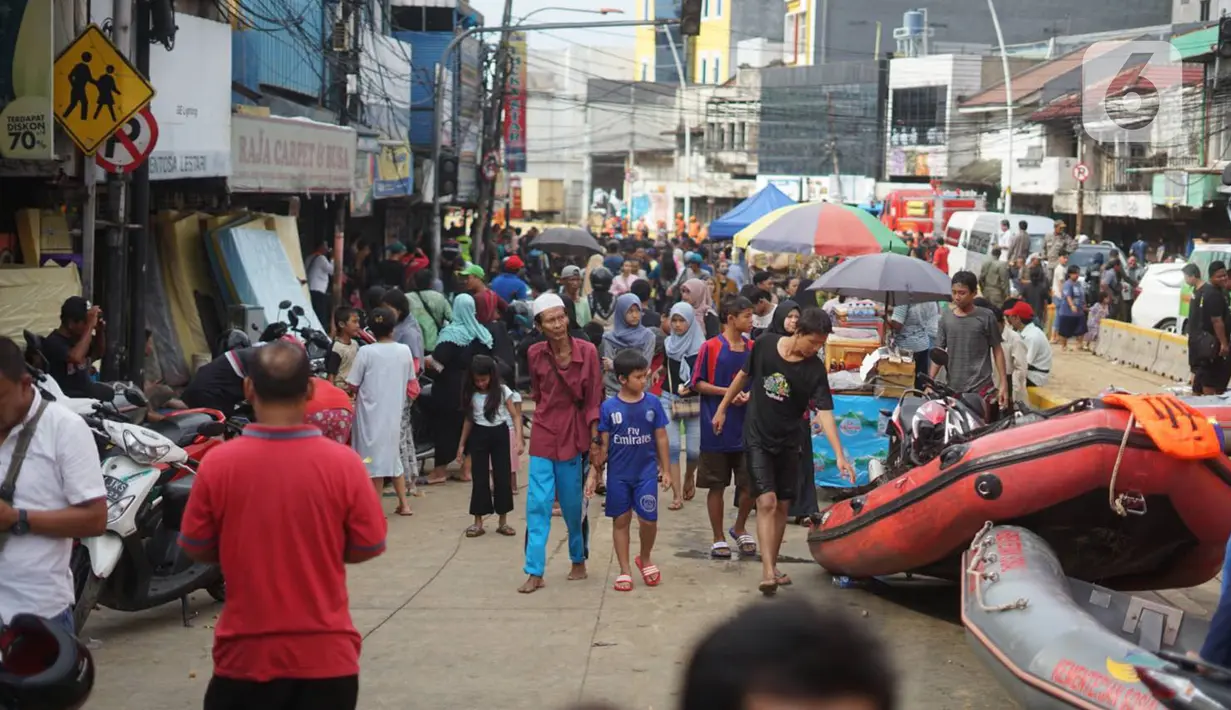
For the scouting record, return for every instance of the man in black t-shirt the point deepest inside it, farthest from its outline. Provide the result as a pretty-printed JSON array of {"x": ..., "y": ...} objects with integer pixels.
[
  {"x": 219, "y": 384},
  {"x": 788, "y": 379},
  {"x": 1208, "y": 333},
  {"x": 69, "y": 349}
]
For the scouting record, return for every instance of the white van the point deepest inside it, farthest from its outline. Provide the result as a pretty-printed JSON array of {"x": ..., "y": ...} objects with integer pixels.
[{"x": 971, "y": 236}]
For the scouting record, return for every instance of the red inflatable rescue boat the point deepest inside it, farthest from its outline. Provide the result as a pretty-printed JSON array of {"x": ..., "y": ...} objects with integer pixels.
[{"x": 1116, "y": 509}]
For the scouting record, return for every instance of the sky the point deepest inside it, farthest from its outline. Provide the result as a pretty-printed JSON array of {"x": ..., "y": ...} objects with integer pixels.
[{"x": 493, "y": 10}]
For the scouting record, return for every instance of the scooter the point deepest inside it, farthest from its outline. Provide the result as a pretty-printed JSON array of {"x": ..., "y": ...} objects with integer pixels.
[
  {"x": 138, "y": 564},
  {"x": 124, "y": 398}
]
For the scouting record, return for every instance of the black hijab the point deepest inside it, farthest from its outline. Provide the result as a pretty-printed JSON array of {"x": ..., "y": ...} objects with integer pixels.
[{"x": 778, "y": 325}]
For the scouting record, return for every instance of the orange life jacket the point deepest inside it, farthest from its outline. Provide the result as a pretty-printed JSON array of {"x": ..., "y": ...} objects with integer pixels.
[{"x": 1175, "y": 427}]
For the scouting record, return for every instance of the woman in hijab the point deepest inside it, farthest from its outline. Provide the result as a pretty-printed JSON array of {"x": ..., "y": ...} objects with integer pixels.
[
  {"x": 804, "y": 504},
  {"x": 698, "y": 295},
  {"x": 683, "y": 406},
  {"x": 457, "y": 345},
  {"x": 627, "y": 334}
]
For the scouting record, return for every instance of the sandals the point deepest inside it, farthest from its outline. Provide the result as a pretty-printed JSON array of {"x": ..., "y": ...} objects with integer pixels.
[
  {"x": 506, "y": 531},
  {"x": 747, "y": 544},
  {"x": 405, "y": 512},
  {"x": 675, "y": 505},
  {"x": 720, "y": 551},
  {"x": 768, "y": 587},
  {"x": 623, "y": 583},
  {"x": 782, "y": 579},
  {"x": 474, "y": 531},
  {"x": 650, "y": 574}
]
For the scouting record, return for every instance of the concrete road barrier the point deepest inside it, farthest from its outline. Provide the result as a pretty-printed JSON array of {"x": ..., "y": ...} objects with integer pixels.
[
  {"x": 1172, "y": 360},
  {"x": 1146, "y": 349}
]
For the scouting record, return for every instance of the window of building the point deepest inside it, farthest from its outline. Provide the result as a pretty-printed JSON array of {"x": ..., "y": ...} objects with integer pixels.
[
  {"x": 645, "y": 10},
  {"x": 645, "y": 70},
  {"x": 717, "y": 8},
  {"x": 793, "y": 34},
  {"x": 1205, "y": 11},
  {"x": 705, "y": 8},
  {"x": 918, "y": 116},
  {"x": 704, "y": 71},
  {"x": 717, "y": 69}
]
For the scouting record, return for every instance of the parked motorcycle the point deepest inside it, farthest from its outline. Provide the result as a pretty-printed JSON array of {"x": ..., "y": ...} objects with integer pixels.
[
  {"x": 315, "y": 342},
  {"x": 1188, "y": 683},
  {"x": 123, "y": 398},
  {"x": 924, "y": 422},
  {"x": 138, "y": 564}
]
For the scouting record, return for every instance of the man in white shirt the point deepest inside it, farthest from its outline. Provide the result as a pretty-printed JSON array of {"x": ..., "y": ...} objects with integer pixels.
[
  {"x": 319, "y": 268},
  {"x": 1038, "y": 350},
  {"x": 1058, "y": 275},
  {"x": 1005, "y": 239},
  {"x": 58, "y": 495}
]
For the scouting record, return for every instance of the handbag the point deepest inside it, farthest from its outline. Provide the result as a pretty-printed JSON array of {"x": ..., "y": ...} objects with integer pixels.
[{"x": 685, "y": 407}]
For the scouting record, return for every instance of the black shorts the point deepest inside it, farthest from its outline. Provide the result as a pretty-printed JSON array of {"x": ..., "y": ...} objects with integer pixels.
[
  {"x": 774, "y": 471},
  {"x": 716, "y": 469},
  {"x": 1212, "y": 374},
  {"x": 283, "y": 694}
]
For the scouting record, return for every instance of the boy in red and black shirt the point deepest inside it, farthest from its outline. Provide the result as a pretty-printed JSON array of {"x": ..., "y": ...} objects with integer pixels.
[{"x": 722, "y": 455}]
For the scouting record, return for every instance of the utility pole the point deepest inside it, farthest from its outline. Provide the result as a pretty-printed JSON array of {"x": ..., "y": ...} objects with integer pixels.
[
  {"x": 833, "y": 151},
  {"x": 117, "y": 242},
  {"x": 1081, "y": 185},
  {"x": 346, "y": 61},
  {"x": 139, "y": 243},
  {"x": 480, "y": 235},
  {"x": 587, "y": 177},
  {"x": 632, "y": 148}
]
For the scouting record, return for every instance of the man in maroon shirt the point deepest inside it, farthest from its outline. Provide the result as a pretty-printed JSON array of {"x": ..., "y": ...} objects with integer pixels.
[
  {"x": 567, "y": 387},
  {"x": 282, "y": 509}
]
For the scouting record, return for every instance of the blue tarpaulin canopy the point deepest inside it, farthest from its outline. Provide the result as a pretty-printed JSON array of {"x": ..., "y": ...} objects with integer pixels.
[{"x": 750, "y": 210}]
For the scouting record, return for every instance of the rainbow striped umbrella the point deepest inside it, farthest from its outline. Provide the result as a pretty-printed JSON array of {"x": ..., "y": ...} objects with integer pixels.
[{"x": 821, "y": 228}]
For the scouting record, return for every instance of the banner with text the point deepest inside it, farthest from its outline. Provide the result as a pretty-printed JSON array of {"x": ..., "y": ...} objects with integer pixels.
[
  {"x": 193, "y": 103},
  {"x": 394, "y": 171},
  {"x": 26, "y": 83},
  {"x": 515, "y": 106},
  {"x": 290, "y": 156}
]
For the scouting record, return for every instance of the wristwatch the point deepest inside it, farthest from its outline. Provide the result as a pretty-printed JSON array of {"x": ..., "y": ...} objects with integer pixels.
[{"x": 22, "y": 526}]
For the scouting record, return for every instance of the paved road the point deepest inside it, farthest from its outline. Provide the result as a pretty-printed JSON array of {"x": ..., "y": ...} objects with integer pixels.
[{"x": 444, "y": 627}]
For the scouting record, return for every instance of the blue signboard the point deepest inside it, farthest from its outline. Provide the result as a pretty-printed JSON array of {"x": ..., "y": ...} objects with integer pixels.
[{"x": 857, "y": 419}]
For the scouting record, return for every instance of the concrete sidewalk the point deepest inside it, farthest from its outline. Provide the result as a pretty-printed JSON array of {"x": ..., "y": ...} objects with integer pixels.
[{"x": 1076, "y": 374}]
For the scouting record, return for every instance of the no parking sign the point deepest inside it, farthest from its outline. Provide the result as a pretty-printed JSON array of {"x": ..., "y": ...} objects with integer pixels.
[{"x": 131, "y": 145}]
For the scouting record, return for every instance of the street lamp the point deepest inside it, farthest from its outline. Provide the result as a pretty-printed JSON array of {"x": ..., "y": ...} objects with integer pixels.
[
  {"x": 588, "y": 11},
  {"x": 1008, "y": 107}
]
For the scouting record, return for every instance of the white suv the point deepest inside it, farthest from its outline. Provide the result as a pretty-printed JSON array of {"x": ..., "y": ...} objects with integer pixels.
[{"x": 1157, "y": 303}]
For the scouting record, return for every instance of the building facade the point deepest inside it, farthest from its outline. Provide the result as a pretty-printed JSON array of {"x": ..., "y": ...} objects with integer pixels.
[{"x": 712, "y": 57}]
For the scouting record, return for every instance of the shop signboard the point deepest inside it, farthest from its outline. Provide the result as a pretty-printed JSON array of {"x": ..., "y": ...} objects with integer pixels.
[
  {"x": 26, "y": 80},
  {"x": 291, "y": 156},
  {"x": 394, "y": 171},
  {"x": 193, "y": 105},
  {"x": 365, "y": 176},
  {"x": 515, "y": 106},
  {"x": 96, "y": 90}
]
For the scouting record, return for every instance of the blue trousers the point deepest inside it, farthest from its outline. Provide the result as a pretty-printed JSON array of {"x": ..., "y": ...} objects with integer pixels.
[
  {"x": 1217, "y": 648},
  {"x": 548, "y": 480}
]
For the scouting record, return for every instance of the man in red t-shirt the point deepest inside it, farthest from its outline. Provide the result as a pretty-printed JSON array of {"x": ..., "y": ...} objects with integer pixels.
[{"x": 283, "y": 509}]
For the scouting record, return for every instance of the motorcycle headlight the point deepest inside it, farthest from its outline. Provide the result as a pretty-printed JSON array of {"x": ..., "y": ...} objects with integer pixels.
[
  {"x": 116, "y": 509},
  {"x": 141, "y": 452}
]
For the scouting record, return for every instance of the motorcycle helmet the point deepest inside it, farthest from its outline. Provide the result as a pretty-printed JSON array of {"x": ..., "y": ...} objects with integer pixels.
[
  {"x": 234, "y": 339},
  {"x": 600, "y": 279},
  {"x": 929, "y": 418},
  {"x": 44, "y": 667}
]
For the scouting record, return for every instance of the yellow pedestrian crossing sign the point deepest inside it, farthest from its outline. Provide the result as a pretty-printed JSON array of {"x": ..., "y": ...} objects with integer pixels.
[{"x": 97, "y": 90}]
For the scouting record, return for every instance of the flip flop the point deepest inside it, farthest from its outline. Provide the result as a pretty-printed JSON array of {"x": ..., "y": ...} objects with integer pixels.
[
  {"x": 782, "y": 579},
  {"x": 404, "y": 512},
  {"x": 623, "y": 583},
  {"x": 747, "y": 544},
  {"x": 650, "y": 573},
  {"x": 768, "y": 587},
  {"x": 474, "y": 531},
  {"x": 676, "y": 505},
  {"x": 720, "y": 551},
  {"x": 506, "y": 531}
]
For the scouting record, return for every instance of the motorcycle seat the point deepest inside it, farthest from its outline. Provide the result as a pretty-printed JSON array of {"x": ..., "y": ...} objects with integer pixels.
[
  {"x": 174, "y": 499},
  {"x": 182, "y": 428},
  {"x": 910, "y": 405}
]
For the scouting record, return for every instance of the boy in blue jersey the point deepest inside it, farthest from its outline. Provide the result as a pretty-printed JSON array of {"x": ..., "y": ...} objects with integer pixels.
[{"x": 633, "y": 429}]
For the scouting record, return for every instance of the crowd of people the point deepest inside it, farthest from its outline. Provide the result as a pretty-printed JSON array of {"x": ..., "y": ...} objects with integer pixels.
[{"x": 656, "y": 366}]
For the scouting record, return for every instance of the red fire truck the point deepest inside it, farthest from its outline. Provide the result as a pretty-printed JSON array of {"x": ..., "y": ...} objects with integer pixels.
[{"x": 926, "y": 211}]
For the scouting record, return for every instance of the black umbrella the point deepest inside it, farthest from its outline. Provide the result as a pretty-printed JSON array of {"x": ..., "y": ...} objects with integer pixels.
[
  {"x": 566, "y": 241},
  {"x": 893, "y": 278}
]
